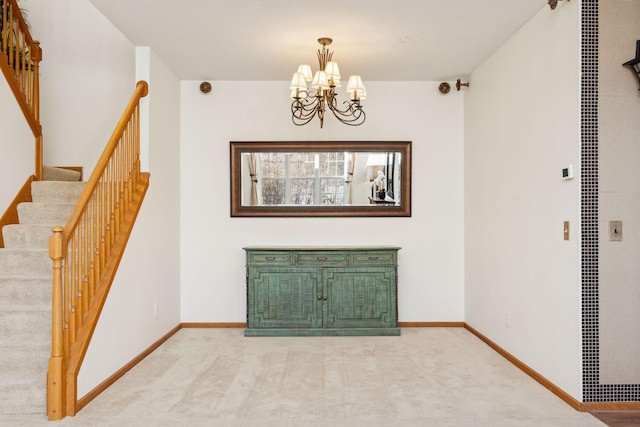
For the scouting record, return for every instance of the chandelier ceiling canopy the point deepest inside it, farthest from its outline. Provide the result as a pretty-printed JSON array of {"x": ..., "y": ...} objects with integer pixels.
[{"x": 309, "y": 102}]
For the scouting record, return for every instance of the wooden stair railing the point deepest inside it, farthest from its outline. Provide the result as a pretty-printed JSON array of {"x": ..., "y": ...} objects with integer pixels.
[
  {"x": 10, "y": 216},
  {"x": 20, "y": 58},
  {"x": 87, "y": 251}
]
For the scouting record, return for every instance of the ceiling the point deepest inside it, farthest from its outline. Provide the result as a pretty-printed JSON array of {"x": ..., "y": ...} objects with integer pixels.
[{"x": 382, "y": 40}]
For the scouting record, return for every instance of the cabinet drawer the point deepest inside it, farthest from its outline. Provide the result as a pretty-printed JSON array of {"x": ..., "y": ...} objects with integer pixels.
[
  {"x": 374, "y": 258},
  {"x": 269, "y": 258},
  {"x": 322, "y": 258}
]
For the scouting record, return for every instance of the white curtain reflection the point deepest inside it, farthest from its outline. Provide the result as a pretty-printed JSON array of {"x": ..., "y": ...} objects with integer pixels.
[
  {"x": 351, "y": 169},
  {"x": 253, "y": 172}
]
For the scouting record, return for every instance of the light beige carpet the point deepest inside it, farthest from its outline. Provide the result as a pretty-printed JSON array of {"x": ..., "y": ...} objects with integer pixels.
[{"x": 427, "y": 377}]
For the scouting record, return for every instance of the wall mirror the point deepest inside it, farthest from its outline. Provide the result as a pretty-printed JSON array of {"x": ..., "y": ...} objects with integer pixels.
[{"x": 330, "y": 178}]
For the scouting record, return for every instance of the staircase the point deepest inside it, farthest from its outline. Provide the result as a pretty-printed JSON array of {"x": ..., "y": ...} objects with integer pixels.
[
  {"x": 51, "y": 302},
  {"x": 25, "y": 294}
]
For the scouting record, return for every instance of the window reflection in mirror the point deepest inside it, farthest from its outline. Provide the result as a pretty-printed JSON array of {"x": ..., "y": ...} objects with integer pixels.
[
  {"x": 320, "y": 178},
  {"x": 325, "y": 178}
]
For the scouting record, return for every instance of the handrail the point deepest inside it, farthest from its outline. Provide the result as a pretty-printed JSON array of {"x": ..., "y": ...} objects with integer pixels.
[
  {"x": 86, "y": 253},
  {"x": 10, "y": 216},
  {"x": 20, "y": 58}
]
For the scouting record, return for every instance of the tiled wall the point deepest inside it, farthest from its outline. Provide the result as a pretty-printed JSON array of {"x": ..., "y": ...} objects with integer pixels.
[{"x": 593, "y": 391}]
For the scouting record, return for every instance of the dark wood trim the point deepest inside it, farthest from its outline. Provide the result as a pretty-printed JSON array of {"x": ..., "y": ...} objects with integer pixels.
[
  {"x": 10, "y": 216},
  {"x": 38, "y": 159},
  {"x": 431, "y": 324},
  {"x": 610, "y": 406},
  {"x": 574, "y": 403},
  {"x": 618, "y": 418},
  {"x": 237, "y": 148},
  {"x": 214, "y": 325},
  {"x": 86, "y": 399}
]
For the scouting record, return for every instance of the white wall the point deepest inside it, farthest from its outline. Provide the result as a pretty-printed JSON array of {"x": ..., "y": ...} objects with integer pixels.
[
  {"x": 86, "y": 78},
  {"x": 522, "y": 126},
  {"x": 619, "y": 193},
  {"x": 15, "y": 138},
  {"x": 431, "y": 259},
  {"x": 148, "y": 279}
]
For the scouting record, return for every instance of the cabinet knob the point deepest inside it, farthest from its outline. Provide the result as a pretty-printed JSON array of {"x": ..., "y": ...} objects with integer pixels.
[
  {"x": 324, "y": 298},
  {"x": 319, "y": 297}
]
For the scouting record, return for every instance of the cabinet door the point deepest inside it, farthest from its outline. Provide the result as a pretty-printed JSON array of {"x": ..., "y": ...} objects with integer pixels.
[
  {"x": 360, "y": 297},
  {"x": 283, "y": 297}
]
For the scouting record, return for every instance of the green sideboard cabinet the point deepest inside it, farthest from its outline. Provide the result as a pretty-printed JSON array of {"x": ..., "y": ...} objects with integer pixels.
[{"x": 328, "y": 291}]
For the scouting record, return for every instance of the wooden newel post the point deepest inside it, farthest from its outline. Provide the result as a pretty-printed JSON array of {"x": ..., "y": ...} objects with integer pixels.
[{"x": 56, "y": 387}]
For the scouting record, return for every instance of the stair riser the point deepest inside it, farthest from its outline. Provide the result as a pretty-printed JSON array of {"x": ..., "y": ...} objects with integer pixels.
[
  {"x": 56, "y": 191},
  {"x": 45, "y": 213},
  {"x": 20, "y": 236},
  {"x": 25, "y": 263}
]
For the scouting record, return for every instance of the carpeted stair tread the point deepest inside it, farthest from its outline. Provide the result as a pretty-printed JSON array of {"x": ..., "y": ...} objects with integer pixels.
[
  {"x": 57, "y": 192},
  {"x": 20, "y": 290},
  {"x": 26, "y": 236},
  {"x": 25, "y": 358},
  {"x": 24, "y": 398},
  {"x": 25, "y": 351},
  {"x": 25, "y": 308},
  {"x": 52, "y": 173},
  {"x": 19, "y": 348},
  {"x": 34, "y": 324},
  {"x": 17, "y": 380},
  {"x": 25, "y": 262},
  {"x": 45, "y": 213},
  {"x": 27, "y": 332}
]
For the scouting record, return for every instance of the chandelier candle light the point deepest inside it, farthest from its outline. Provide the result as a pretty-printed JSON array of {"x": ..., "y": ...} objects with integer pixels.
[{"x": 308, "y": 103}]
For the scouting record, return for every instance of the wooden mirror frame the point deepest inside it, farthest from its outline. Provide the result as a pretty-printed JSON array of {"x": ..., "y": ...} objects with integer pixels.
[{"x": 373, "y": 210}]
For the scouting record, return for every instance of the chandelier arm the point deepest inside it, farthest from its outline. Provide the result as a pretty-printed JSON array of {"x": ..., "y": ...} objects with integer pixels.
[
  {"x": 357, "y": 118},
  {"x": 300, "y": 118},
  {"x": 352, "y": 114},
  {"x": 304, "y": 110}
]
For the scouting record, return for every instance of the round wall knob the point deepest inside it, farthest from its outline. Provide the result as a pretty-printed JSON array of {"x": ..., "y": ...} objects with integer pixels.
[{"x": 205, "y": 87}]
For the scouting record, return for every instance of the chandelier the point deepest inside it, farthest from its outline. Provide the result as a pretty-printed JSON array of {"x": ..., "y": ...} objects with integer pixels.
[
  {"x": 308, "y": 103},
  {"x": 634, "y": 64}
]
